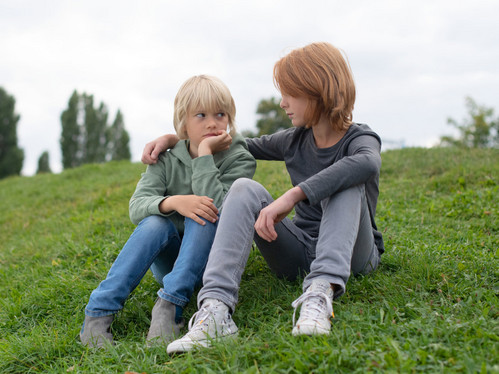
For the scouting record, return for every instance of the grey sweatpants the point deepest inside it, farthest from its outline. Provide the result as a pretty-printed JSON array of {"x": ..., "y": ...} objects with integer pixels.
[{"x": 345, "y": 243}]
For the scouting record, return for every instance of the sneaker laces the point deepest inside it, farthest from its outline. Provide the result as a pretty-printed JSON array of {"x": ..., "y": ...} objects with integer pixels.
[
  {"x": 200, "y": 319},
  {"x": 313, "y": 309}
]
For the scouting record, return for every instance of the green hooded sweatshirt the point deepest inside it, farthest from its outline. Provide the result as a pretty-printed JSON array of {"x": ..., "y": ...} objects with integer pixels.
[{"x": 176, "y": 173}]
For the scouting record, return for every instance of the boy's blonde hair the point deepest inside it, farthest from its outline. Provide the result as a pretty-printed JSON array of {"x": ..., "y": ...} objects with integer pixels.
[
  {"x": 203, "y": 92},
  {"x": 320, "y": 73}
]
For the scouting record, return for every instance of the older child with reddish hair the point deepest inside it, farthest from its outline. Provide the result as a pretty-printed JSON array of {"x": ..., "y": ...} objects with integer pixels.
[{"x": 334, "y": 166}]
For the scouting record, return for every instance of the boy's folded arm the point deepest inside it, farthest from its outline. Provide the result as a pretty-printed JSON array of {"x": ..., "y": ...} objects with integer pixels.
[{"x": 191, "y": 206}]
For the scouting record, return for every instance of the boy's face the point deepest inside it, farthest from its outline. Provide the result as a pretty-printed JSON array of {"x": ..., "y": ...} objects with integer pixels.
[
  {"x": 202, "y": 124},
  {"x": 295, "y": 108}
]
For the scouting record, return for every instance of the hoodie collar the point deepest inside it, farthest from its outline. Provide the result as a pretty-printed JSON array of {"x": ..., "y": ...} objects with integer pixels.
[{"x": 181, "y": 151}]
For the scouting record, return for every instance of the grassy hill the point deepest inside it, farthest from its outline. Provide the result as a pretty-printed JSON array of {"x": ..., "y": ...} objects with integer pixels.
[{"x": 431, "y": 307}]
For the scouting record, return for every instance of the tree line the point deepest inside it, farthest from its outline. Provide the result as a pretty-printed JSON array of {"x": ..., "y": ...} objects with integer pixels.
[
  {"x": 11, "y": 156},
  {"x": 88, "y": 137}
]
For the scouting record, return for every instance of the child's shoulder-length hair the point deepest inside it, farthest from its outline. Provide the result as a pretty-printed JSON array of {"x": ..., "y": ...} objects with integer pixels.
[
  {"x": 320, "y": 72},
  {"x": 203, "y": 92}
]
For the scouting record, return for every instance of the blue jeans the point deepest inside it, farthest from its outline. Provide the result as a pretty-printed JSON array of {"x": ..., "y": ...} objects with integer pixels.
[{"x": 177, "y": 264}]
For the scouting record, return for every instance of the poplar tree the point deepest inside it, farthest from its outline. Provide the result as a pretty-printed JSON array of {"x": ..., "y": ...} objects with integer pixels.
[
  {"x": 87, "y": 137},
  {"x": 119, "y": 140},
  {"x": 11, "y": 156},
  {"x": 71, "y": 137},
  {"x": 95, "y": 127}
]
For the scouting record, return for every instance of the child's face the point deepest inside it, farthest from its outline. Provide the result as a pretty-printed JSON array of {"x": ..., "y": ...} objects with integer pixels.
[
  {"x": 202, "y": 124},
  {"x": 295, "y": 108}
]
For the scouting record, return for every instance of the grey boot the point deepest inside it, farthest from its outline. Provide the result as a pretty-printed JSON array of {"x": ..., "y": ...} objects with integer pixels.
[
  {"x": 163, "y": 327},
  {"x": 97, "y": 331}
]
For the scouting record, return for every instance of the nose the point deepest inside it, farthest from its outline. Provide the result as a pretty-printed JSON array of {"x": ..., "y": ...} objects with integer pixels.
[
  {"x": 283, "y": 103},
  {"x": 212, "y": 121}
]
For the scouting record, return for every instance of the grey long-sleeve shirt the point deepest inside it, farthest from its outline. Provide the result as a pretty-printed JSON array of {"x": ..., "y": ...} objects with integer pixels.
[{"x": 322, "y": 172}]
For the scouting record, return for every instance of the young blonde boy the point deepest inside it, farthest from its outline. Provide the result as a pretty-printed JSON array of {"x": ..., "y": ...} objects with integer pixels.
[{"x": 176, "y": 206}]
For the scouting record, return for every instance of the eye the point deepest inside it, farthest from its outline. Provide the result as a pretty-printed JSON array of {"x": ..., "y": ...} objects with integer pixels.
[
  {"x": 221, "y": 114},
  {"x": 200, "y": 115}
]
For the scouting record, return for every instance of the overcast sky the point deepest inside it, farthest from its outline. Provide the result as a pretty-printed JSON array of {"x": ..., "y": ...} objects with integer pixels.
[{"x": 414, "y": 62}]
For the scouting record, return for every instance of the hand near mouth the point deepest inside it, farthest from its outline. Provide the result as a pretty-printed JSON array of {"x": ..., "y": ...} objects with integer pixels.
[{"x": 214, "y": 143}]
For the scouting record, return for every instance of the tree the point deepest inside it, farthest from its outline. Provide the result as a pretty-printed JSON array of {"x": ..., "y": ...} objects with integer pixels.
[
  {"x": 11, "y": 156},
  {"x": 119, "y": 140},
  {"x": 272, "y": 117},
  {"x": 479, "y": 130},
  {"x": 71, "y": 138},
  {"x": 86, "y": 136},
  {"x": 95, "y": 144},
  {"x": 43, "y": 163}
]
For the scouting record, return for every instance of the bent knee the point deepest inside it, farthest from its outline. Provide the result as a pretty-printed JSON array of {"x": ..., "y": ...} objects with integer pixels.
[
  {"x": 243, "y": 186},
  {"x": 348, "y": 196},
  {"x": 155, "y": 222},
  {"x": 208, "y": 226},
  {"x": 247, "y": 191}
]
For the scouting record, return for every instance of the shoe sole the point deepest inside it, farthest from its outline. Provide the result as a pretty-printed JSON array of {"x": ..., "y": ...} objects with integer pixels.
[
  {"x": 310, "y": 331},
  {"x": 182, "y": 347}
]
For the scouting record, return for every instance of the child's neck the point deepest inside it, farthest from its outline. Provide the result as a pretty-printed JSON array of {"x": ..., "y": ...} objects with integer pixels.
[
  {"x": 193, "y": 150},
  {"x": 325, "y": 136}
]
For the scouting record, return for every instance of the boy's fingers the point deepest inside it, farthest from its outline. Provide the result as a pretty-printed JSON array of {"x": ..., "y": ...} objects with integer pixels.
[
  {"x": 146, "y": 154},
  {"x": 209, "y": 212},
  {"x": 207, "y": 216},
  {"x": 209, "y": 204},
  {"x": 260, "y": 229},
  {"x": 155, "y": 152},
  {"x": 266, "y": 229},
  {"x": 271, "y": 234},
  {"x": 195, "y": 218}
]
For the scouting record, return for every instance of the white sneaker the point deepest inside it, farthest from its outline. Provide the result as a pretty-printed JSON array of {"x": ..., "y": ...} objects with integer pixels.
[
  {"x": 316, "y": 309},
  {"x": 212, "y": 321}
]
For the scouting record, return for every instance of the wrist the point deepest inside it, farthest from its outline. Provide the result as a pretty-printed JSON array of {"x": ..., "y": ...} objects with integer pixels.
[
  {"x": 296, "y": 195},
  {"x": 171, "y": 140},
  {"x": 204, "y": 150},
  {"x": 167, "y": 205}
]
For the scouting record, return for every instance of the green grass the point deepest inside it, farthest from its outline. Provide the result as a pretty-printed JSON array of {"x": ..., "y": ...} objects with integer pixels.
[{"x": 432, "y": 306}]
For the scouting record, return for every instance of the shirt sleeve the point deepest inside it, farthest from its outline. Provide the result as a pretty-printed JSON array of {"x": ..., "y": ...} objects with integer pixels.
[
  {"x": 363, "y": 162},
  {"x": 270, "y": 147},
  {"x": 149, "y": 193}
]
